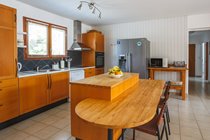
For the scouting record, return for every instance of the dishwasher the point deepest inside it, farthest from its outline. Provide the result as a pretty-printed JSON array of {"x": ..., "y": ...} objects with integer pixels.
[{"x": 76, "y": 75}]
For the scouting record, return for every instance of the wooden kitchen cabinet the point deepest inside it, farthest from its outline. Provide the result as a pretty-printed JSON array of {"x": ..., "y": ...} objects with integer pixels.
[
  {"x": 33, "y": 92},
  {"x": 89, "y": 72},
  {"x": 9, "y": 99},
  {"x": 8, "y": 46},
  {"x": 59, "y": 86},
  {"x": 99, "y": 42},
  {"x": 94, "y": 40},
  {"x": 99, "y": 71}
]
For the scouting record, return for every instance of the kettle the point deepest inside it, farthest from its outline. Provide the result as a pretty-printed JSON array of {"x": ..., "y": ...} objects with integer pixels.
[{"x": 19, "y": 65}]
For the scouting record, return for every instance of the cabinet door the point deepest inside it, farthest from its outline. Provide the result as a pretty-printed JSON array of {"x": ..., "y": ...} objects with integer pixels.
[
  {"x": 99, "y": 42},
  {"x": 8, "y": 53},
  {"x": 9, "y": 100},
  {"x": 7, "y": 16},
  {"x": 33, "y": 93},
  {"x": 89, "y": 40},
  {"x": 89, "y": 72},
  {"x": 99, "y": 71},
  {"x": 59, "y": 86}
]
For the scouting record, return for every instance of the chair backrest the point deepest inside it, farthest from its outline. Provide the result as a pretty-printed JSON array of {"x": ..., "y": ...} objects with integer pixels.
[
  {"x": 167, "y": 88},
  {"x": 161, "y": 115}
]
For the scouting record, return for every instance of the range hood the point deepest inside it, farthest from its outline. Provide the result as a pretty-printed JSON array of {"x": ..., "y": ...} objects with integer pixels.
[{"x": 77, "y": 45}]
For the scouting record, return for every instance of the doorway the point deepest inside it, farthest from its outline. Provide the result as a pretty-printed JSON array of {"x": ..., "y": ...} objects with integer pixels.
[{"x": 199, "y": 56}]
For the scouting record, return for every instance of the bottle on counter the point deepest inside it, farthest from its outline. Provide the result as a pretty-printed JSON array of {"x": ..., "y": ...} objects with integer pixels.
[{"x": 62, "y": 64}]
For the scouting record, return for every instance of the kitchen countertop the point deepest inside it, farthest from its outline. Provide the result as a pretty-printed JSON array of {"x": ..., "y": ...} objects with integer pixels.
[
  {"x": 34, "y": 73},
  {"x": 104, "y": 80}
]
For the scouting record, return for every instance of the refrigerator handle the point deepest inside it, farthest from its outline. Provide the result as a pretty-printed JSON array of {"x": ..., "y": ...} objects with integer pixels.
[{"x": 129, "y": 62}]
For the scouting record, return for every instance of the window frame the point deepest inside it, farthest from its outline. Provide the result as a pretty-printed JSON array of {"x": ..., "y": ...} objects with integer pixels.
[{"x": 49, "y": 40}]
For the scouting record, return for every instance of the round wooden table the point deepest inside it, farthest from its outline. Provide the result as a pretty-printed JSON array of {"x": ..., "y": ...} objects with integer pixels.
[{"x": 134, "y": 107}]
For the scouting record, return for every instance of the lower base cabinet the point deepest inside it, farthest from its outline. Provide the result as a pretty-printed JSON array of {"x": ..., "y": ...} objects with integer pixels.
[
  {"x": 59, "y": 88},
  {"x": 89, "y": 72},
  {"x": 33, "y": 92},
  {"x": 9, "y": 99},
  {"x": 39, "y": 91},
  {"x": 99, "y": 71}
]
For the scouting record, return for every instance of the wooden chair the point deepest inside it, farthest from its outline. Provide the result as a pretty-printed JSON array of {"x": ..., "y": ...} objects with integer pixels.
[
  {"x": 153, "y": 127},
  {"x": 163, "y": 101}
]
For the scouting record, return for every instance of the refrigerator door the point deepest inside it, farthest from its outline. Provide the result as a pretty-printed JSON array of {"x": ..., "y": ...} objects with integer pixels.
[
  {"x": 122, "y": 52},
  {"x": 138, "y": 56}
]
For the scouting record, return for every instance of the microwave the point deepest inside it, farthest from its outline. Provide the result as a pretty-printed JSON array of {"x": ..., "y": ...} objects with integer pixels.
[{"x": 159, "y": 62}]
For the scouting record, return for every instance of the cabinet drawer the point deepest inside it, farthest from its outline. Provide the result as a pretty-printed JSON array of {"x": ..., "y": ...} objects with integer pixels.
[
  {"x": 99, "y": 71},
  {"x": 8, "y": 83},
  {"x": 89, "y": 72},
  {"x": 9, "y": 103}
]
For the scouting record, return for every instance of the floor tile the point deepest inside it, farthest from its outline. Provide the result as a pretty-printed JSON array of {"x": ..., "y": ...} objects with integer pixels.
[
  {"x": 34, "y": 128},
  {"x": 46, "y": 132}
]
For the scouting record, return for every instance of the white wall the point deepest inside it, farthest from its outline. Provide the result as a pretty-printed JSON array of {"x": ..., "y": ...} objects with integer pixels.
[
  {"x": 196, "y": 22},
  {"x": 32, "y": 12},
  {"x": 168, "y": 39}
]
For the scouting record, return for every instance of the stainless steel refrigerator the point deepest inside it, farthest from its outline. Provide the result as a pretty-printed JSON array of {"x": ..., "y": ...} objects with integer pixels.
[{"x": 134, "y": 55}]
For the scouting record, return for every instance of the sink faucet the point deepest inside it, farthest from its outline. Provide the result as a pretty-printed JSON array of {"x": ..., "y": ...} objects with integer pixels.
[{"x": 38, "y": 68}]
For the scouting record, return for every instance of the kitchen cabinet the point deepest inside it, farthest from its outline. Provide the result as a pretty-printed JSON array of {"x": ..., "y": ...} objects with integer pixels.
[
  {"x": 59, "y": 86},
  {"x": 41, "y": 90},
  {"x": 33, "y": 92},
  {"x": 99, "y": 71},
  {"x": 99, "y": 43},
  {"x": 8, "y": 46},
  {"x": 94, "y": 40},
  {"x": 89, "y": 72},
  {"x": 9, "y": 99}
]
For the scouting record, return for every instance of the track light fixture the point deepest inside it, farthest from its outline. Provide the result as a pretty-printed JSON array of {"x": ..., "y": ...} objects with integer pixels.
[{"x": 91, "y": 6}]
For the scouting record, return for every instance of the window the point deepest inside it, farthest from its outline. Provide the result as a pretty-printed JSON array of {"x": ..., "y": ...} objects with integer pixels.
[{"x": 44, "y": 40}]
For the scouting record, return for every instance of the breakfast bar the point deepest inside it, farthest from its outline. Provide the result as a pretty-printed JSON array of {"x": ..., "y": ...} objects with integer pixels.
[{"x": 99, "y": 104}]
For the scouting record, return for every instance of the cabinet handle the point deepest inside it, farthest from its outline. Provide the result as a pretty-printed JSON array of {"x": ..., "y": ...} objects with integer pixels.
[
  {"x": 0, "y": 89},
  {"x": 16, "y": 67},
  {"x": 50, "y": 82},
  {"x": 1, "y": 105},
  {"x": 0, "y": 82}
]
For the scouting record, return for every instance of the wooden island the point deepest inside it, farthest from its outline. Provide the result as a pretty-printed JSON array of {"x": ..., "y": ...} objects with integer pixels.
[{"x": 101, "y": 103}]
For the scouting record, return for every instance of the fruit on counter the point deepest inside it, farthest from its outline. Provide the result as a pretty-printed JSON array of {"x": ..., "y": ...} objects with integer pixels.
[{"x": 115, "y": 71}]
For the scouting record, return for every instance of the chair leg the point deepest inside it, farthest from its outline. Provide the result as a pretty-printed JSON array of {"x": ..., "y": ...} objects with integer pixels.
[
  {"x": 168, "y": 120},
  {"x": 158, "y": 134},
  {"x": 133, "y": 134},
  {"x": 167, "y": 112},
  {"x": 164, "y": 127}
]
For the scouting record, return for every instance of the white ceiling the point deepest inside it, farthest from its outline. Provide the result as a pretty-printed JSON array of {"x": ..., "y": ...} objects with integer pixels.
[{"x": 120, "y": 11}]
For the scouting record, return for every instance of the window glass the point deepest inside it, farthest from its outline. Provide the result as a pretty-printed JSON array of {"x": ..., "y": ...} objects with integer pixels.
[
  {"x": 37, "y": 39},
  {"x": 58, "y": 41}
]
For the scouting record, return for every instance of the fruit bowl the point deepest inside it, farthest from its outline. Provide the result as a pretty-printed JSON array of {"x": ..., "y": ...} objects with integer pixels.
[
  {"x": 115, "y": 72},
  {"x": 115, "y": 76}
]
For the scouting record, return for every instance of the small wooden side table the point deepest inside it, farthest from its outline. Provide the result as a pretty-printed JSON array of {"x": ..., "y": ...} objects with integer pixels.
[{"x": 181, "y": 70}]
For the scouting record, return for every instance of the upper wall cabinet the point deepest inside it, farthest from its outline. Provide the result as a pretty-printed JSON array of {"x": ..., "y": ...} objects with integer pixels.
[
  {"x": 8, "y": 49},
  {"x": 94, "y": 40},
  {"x": 7, "y": 16}
]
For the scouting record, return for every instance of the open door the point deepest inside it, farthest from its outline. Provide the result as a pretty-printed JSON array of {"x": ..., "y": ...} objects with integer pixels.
[{"x": 192, "y": 60}]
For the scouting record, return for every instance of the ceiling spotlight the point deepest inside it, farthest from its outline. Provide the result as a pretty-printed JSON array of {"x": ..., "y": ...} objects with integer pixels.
[
  {"x": 91, "y": 6},
  {"x": 80, "y": 6},
  {"x": 94, "y": 10}
]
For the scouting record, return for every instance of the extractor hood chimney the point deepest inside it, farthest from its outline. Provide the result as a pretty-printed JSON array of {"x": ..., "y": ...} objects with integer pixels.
[{"x": 77, "y": 45}]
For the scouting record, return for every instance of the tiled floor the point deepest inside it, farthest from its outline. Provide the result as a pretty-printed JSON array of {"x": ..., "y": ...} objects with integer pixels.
[{"x": 190, "y": 120}]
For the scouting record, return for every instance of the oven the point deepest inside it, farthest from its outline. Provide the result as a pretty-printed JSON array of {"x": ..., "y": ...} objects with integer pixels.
[{"x": 99, "y": 59}]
